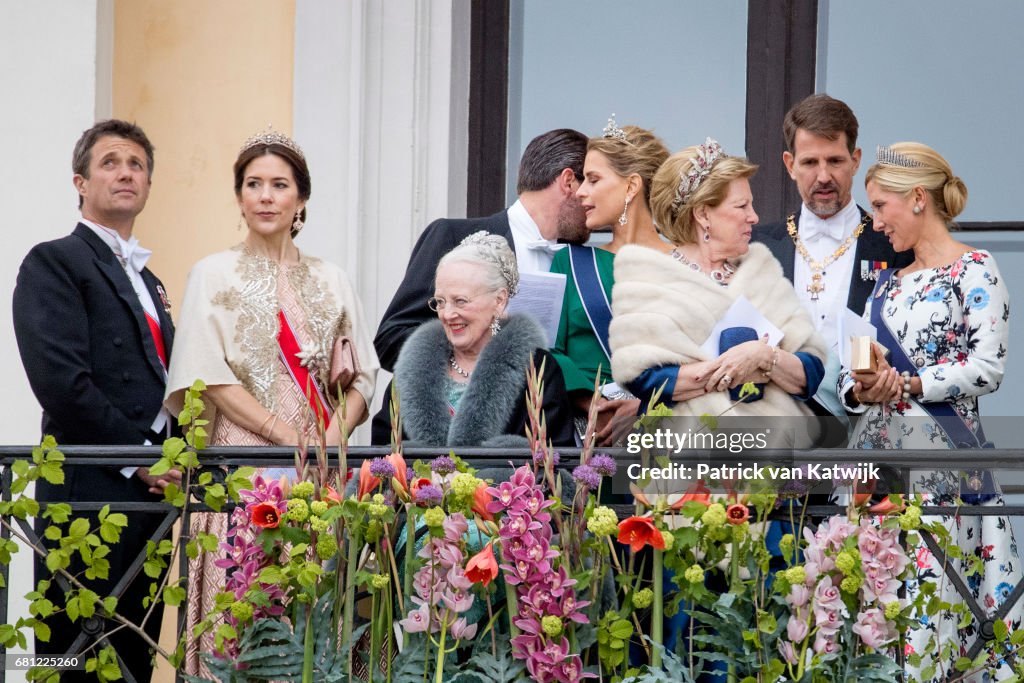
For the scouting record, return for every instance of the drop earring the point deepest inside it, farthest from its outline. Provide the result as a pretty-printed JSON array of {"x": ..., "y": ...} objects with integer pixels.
[
  {"x": 495, "y": 326},
  {"x": 241, "y": 217},
  {"x": 623, "y": 219},
  {"x": 297, "y": 224},
  {"x": 707, "y": 233}
]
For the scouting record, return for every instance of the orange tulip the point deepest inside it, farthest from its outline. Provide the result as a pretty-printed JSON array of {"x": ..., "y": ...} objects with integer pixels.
[
  {"x": 862, "y": 493},
  {"x": 887, "y": 507},
  {"x": 266, "y": 516},
  {"x": 697, "y": 492},
  {"x": 482, "y": 567},
  {"x": 737, "y": 513},
  {"x": 330, "y": 496},
  {"x": 636, "y": 532},
  {"x": 400, "y": 481},
  {"x": 367, "y": 482},
  {"x": 480, "y": 500}
]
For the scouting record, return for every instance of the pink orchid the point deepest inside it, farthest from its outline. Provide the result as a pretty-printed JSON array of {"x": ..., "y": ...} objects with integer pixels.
[{"x": 874, "y": 629}]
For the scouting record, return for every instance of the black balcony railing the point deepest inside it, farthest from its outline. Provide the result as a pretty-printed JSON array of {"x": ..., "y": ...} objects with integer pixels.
[{"x": 902, "y": 462}]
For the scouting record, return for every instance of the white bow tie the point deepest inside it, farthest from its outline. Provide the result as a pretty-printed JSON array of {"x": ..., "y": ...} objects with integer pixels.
[
  {"x": 133, "y": 254},
  {"x": 815, "y": 230},
  {"x": 544, "y": 245}
]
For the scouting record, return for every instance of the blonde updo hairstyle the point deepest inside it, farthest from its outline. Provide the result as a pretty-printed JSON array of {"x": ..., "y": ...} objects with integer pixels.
[
  {"x": 934, "y": 175},
  {"x": 677, "y": 221},
  {"x": 641, "y": 153}
]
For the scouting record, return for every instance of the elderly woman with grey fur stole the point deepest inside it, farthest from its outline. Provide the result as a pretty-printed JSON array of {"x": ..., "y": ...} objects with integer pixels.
[
  {"x": 461, "y": 379},
  {"x": 667, "y": 305}
]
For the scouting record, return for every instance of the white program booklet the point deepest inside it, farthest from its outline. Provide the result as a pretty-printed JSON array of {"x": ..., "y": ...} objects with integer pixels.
[
  {"x": 540, "y": 296},
  {"x": 742, "y": 313}
]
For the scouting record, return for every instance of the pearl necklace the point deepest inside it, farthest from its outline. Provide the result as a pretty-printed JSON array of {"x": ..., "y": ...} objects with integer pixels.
[
  {"x": 721, "y": 276},
  {"x": 456, "y": 367}
]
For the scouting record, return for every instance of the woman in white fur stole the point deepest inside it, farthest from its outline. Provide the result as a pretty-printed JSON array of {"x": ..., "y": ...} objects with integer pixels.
[
  {"x": 666, "y": 305},
  {"x": 462, "y": 378}
]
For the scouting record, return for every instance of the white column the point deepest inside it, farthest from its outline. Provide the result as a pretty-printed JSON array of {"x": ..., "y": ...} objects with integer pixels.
[{"x": 381, "y": 106}]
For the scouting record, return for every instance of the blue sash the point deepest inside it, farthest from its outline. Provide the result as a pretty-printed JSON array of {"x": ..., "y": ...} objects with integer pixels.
[
  {"x": 942, "y": 412},
  {"x": 583, "y": 261}
]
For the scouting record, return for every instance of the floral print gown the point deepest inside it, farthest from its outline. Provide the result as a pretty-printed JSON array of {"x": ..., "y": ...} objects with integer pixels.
[{"x": 953, "y": 323}]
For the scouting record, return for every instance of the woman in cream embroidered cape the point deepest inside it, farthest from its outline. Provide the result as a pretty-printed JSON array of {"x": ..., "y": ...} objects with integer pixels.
[{"x": 228, "y": 336}]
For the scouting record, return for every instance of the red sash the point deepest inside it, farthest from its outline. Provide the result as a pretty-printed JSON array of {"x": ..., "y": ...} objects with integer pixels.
[
  {"x": 158, "y": 339},
  {"x": 289, "y": 349}
]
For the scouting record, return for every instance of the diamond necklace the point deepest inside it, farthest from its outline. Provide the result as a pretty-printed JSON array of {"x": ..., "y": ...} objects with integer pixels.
[
  {"x": 817, "y": 286},
  {"x": 721, "y": 276},
  {"x": 456, "y": 367}
]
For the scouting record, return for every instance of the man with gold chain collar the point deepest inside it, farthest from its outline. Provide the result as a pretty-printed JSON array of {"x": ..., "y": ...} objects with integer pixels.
[{"x": 828, "y": 248}]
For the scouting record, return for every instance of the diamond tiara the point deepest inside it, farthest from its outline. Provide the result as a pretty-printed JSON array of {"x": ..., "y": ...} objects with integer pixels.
[
  {"x": 271, "y": 137},
  {"x": 890, "y": 157},
  {"x": 614, "y": 132},
  {"x": 700, "y": 167}
]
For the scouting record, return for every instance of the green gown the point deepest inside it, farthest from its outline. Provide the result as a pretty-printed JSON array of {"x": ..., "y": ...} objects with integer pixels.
[{"x": 576, "y": 347}]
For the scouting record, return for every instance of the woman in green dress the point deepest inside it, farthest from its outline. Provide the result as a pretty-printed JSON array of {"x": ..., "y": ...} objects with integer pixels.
[{"x": 615, "y": 194}]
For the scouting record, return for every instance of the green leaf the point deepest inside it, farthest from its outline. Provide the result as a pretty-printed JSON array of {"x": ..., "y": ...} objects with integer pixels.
[
  {"x": 1000, "y": 630},
  {"x": 42, "y": 631},
  {"x": 174, "y": 595},
  {"x": 766, "y": 622},
  {"x": 59, "y": 513},
  {"x": 52, "y": 472}
]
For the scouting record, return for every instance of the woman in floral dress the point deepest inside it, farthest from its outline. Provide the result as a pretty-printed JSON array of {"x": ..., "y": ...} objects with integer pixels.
[{"x": 944, "y": 320}]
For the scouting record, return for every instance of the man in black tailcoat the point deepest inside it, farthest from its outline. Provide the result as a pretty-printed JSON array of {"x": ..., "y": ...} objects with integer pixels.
[{"x": 94, "y": 331}]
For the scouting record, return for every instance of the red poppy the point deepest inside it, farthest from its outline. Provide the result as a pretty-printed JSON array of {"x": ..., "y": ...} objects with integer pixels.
[
  {"x": 266, "y": 516},
  {"x": 482, "y": 567},
  {"x": 367, "y": 482},
  {"x": 636, "y": 532},
  {"x": 480, "y": 500},
  {"x": 737, "y": 513}
]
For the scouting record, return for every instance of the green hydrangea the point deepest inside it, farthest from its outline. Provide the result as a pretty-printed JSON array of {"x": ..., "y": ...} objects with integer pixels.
[
  {"x": 551, "y": 625},
  {"x": 694, "y": 574},
  {"x": 851, "y": 584},
  {"x": 318, "y": 507},
  {"x": 377, "y": 509},
  {"x": 378, "y": 499},
  {"x": 786, "y": 544},
  {"x": 465, "y": 485},
  {"x": 911, "y": 518},
  {"x": 796, "y": 575},
  {"x": 303, "y": 489},
  {"x": 669, "y": 539},
  {"x": 846, "y": 561},
  {"x": 241, "y": 610},
  {"x": 319, "y": 525},
  {"x": 326, "y": 547},
  {"x": 892, "y": 610},
  {"x": 379, "y": 581},
  {"x": 603, "y": 522},
  {"x": 434, "y": 517},
  {"x": 644, "y": 597},
  {"x": 298, "y": 510},
  {"x": 714, "y": 515}
]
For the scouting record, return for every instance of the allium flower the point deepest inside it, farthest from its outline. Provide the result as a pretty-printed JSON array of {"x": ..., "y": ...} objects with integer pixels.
[
  {"x": 587, "y": 477},
  {"x": 382, "y": 469},
  {"x": 737, "y": 513},
  {"x": 538, "y": 458},
  {"x": 603, "y": 464},
  {"x": 427, "y": 496},
  {"x": 443, "y": 465},
  {"x": 367, "y": 482},
  {"x": 266, "y": 516},
  {"x": 636, "y": 532}
]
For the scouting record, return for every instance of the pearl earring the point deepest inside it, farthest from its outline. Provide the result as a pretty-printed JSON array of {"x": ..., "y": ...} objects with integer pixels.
[{"x": 917, "y": 210}]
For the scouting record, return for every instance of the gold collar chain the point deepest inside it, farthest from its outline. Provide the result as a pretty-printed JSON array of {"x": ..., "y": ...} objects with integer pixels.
[{"x": 817, "y": 286}]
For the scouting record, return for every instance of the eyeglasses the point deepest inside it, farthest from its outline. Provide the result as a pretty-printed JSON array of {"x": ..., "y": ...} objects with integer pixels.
[{"x": 439, "y": 303}]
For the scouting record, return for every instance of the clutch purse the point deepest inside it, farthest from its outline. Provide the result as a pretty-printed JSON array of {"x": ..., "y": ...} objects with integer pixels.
[
  {"x": 344, "y": 365},
  {"x": 731, "y": 336},
  {"x": 861, "y": 357}
]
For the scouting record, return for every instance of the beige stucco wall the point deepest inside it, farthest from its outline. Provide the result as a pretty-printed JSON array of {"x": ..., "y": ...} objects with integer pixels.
[{"x": 200, "y": 77}]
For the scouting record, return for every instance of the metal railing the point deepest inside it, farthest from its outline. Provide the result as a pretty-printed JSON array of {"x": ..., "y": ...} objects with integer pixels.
[{"x": 232, "y": 457}]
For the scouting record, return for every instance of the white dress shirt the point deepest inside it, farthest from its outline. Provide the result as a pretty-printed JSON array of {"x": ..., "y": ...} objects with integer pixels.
[
  {"x": 133, "y": 258},
  {"x": 822, "y": 238},
  {"x": 533, "y": 253}
]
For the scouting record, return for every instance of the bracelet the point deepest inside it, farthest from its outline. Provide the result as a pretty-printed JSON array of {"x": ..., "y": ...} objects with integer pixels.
[
  {"x": 775, "y": 361},
  {"x": 270, "y": 431},
  {"x": 260, "y": 430},
  {"x": 906, "y": 384}
]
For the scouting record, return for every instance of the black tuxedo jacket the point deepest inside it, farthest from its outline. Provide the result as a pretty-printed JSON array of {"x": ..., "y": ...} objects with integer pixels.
[
  {"x": 408, "y": 308},
  {"x": 871, "y": 246},
  {"x": 89, "y": 355}
]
